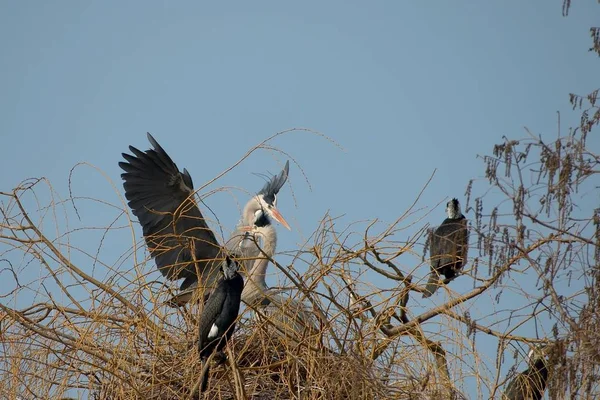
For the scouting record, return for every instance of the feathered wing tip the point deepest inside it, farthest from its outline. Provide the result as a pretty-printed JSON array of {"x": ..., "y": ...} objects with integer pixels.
[
  {"x": 273, "y": 187},
  {"x": 157, "y": 147},
  {"x": 168, "y": 161},
  {"x": 180, "y": 299},
  {"x": 432, "y": 285},
  {"x": 184, "y": 296}
]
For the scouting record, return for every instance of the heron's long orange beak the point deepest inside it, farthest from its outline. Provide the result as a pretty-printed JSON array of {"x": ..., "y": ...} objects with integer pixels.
[{"x": 277, "y": 215}]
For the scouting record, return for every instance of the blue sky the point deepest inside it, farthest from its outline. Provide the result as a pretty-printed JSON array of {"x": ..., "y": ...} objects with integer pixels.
[{"x": 404, "y": 87}]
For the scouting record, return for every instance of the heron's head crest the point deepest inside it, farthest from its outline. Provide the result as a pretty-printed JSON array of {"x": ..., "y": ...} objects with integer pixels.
[
  {"x": 264, "y": 204},
  {"x": 273, "y": 186}
]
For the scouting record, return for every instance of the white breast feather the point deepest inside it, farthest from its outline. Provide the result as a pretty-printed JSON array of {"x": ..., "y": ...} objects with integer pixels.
[{"x": 214, "y": 331}]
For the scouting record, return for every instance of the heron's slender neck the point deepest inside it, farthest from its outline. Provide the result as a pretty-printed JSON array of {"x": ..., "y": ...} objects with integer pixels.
[
  {"x": 248, "y": 213},
  {"x": 256, "y": 282}
]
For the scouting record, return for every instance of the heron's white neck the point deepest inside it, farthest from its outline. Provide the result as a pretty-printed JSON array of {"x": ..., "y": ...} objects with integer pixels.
[
  {"x": 256, "y": 282},
  {"x": 248, "y": 213},
  {"x": 268, "y": 239}
]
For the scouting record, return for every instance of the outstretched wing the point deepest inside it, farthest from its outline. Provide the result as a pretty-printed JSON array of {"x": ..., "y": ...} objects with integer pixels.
[
  {"x": 240, "y": 246},
  {"x": 173, "y": 226},
  {"x": 449, "y": 243}
]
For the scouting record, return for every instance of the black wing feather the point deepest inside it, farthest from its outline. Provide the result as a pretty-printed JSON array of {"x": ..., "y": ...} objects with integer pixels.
[
  {"x": 209, "y": 315},
  {"x": 173, "y": 226},
  {"x": 529, "y": 384},
  {"x": 449, "y": 243},
  {"x": 221, "y": 308},
  {"x": 448, "y": 250}
]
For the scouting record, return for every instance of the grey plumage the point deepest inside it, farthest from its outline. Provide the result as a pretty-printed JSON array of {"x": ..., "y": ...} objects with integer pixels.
[
  {"x": 241, "y": 243},
  {"x": 531, "y": 383},
  {"x": 238, "y": 245},
  {"x": 290, "y": 316},
  {"x": 448, "y": 247}
]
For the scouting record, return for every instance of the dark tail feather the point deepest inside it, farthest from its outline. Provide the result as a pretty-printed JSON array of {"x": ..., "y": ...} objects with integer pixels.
[
  {"x": 197, "y": 394},
  {"x": 432, "y": 285},
  {"x": 204, "y": 382}
]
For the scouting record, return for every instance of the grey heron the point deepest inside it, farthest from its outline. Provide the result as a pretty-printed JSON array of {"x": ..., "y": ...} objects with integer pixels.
[
  {"x": 448, "y": 248},
  {"x": 531, "y": 383},
  {"x": 217, "y": 321},
  {"x": 243, "y": 241},
  {"x": 289, "y": 315},
  {"x": 177, "y": 235}
]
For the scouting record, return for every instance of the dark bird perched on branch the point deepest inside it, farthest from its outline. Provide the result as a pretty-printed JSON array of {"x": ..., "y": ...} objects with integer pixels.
[
  {"x": 448, "y": 247},
  {"x": 531, "y": 383},
  {"x": 217, "y": 321},
  {"x": 178, "y": 238}
]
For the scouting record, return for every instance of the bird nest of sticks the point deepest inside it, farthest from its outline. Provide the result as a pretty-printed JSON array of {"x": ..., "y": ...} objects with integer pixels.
[{"x": 115, "y": 354}]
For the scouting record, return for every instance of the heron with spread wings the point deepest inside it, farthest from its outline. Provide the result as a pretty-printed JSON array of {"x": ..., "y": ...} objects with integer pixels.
[{"x": 178, "y": 237}]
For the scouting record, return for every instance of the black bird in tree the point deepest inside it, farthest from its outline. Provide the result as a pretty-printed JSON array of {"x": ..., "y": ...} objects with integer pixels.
[
  {"x": 448, "y": 247},
  {"x": 531, "y": 383},
  {"x": 178, "y": 238},
  {"x": 217, "y": 321}
]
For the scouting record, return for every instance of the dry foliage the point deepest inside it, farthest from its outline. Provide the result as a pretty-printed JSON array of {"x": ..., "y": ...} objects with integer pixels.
[
  {"x": 78, "y": 323},
  {"x": 101, "y": 327}
]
